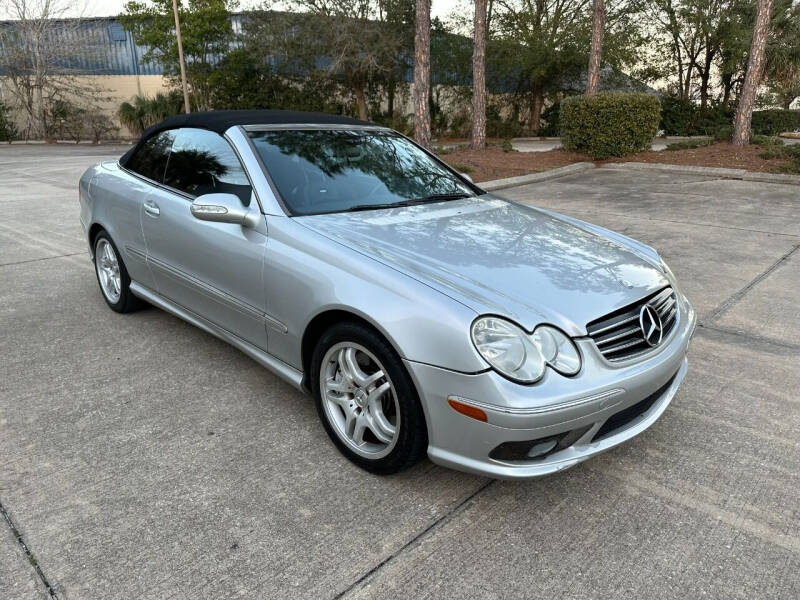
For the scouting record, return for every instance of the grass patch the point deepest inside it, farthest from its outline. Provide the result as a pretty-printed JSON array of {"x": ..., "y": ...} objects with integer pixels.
[
  {"x": 463, "y": 168},
  {"x": 689, "y": 144}
]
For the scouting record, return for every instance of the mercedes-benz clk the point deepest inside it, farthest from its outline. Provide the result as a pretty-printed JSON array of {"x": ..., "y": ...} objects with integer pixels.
[{"x": 423, "y": 314}]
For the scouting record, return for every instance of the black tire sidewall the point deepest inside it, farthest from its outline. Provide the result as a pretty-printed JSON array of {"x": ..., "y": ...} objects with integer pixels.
[{"x": 412, "y": 442}]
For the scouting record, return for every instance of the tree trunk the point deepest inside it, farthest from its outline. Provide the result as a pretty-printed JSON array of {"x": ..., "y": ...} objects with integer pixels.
[
  {"x": 479, "y": 78},
  {"x": 727, "y": 86},
  {"x": 361, "y": 101},
  {"x": 390, "y": 91},
  {"x": 705, "y": 75},
  {"x": 752, "y": 78},
  {"x": 596, "y": 51},
  {"x": 422, "y": 74},
  {"x": 537, "y": 101}
]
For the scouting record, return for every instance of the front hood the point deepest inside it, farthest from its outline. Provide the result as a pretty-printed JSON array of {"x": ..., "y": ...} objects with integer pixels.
[{"x": 502, "y": 258}]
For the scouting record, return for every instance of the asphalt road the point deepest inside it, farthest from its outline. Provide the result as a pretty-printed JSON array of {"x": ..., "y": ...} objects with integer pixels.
[{"x": 143, "y": 458}]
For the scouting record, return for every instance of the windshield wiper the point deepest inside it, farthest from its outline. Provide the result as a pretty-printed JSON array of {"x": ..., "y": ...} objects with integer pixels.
[{"x": 410, "y": 202}]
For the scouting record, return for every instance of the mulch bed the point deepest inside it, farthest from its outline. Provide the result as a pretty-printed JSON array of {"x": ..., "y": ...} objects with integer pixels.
[{"x": 493, "y": 163}]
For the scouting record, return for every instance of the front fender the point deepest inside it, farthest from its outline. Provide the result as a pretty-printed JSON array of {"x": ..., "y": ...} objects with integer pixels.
[{"x": 307, "y": 274}]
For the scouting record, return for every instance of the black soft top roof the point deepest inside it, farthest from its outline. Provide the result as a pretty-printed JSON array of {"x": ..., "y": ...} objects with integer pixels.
[{"x": 221, "y": 120}]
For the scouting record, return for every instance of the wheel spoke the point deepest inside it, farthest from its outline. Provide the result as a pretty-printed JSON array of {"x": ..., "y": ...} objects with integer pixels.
[
  {"x": 334, "y": 385},
  {"x": 357, "y": 374},
  {"x": 347, "y": 378},
  {"x": 359, "y": 428},
  {"x": 378, "y": 423},
  {"x": 342, "y": 401}
]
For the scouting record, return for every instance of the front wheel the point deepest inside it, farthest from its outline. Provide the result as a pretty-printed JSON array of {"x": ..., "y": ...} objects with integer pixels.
[{"x": 366, "y": 400}]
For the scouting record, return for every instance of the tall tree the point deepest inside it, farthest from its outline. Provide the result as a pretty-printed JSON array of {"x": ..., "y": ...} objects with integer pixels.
[
  {"x": 596, "y": 51},
  {"x": 479, "y": 76},
  {"x": 547, "y": 40},
  {"x": 422, "y": 74},
  {"x": 755, "y": 71},
  {"x": 36, "y": 49},
  {"x": 207, "y": 36},
  {"x": 349, "y": 36}
]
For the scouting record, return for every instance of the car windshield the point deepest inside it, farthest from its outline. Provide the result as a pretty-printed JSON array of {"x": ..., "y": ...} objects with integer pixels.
[{"x": 334, "y": 170}]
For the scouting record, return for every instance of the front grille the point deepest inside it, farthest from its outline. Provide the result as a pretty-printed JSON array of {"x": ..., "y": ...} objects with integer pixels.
[{"x": 619, "y": 335}]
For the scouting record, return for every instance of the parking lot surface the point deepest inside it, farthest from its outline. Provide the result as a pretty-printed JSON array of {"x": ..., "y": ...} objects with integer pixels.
[{"x": 143, "y": 458}]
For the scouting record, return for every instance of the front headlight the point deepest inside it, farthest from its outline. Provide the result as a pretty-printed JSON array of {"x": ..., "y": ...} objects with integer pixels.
[{"x": 521, "y": 356}]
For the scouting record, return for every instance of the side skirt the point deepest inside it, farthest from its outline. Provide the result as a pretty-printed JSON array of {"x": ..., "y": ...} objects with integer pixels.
[{"x": 278, "y": 367}]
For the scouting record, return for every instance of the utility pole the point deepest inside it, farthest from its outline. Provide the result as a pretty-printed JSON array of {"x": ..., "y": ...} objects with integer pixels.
[{"x": 180, "y": 57}]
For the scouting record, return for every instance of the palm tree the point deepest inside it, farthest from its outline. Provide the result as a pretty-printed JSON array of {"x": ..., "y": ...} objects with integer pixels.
[
  {"x": 596, "y": 52},
  {"x": 479, "y": 77},
  {"x": 755, "y": 71},
  {"x": 422, "y": 74}
]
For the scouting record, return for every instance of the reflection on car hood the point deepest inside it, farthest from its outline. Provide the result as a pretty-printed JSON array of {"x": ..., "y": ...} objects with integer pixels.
[{"x": 502, "y": 258}]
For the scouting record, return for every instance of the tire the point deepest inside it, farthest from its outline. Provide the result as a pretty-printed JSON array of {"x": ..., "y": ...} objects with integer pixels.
[
  {"x": 347, "y": 401},
  {"x": 112, "y": 276}
]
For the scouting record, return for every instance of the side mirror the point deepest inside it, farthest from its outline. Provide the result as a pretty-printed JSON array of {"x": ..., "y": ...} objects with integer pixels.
[
  {"x": 467, "y": 177},
  {"x": 223, "y": 208}
]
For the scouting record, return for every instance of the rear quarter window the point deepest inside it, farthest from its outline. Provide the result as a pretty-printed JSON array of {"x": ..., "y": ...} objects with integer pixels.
[{"x": 151, "y": 159}]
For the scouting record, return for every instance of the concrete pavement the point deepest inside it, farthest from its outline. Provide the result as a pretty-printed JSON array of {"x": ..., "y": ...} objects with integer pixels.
[{"x": 143, "y": 458}]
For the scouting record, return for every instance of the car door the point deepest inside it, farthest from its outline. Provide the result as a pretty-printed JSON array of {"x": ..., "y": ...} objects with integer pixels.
[
  {"x": 213, "y": 269},
  {"x": 126, "y": 192}
]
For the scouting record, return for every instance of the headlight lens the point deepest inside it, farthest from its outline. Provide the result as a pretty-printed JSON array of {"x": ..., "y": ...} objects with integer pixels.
[{"x": 520, "y": 356}]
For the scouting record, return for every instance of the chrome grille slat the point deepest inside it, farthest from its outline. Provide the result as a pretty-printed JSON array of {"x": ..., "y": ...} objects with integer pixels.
[
  {"x": 665, "y": 306},
  {"x": 622, "y": 346},
  {"x": 618, "y": 336},
  {"x": 622, "y": 334},
  {"x": 614, "y": 325}
]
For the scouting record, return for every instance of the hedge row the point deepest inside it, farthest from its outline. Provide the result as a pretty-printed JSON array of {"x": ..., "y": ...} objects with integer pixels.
[
  {"x": 683, "y": 117},
  {"x": 773, "y": 122},
  {"x": 609, "y": 123}
]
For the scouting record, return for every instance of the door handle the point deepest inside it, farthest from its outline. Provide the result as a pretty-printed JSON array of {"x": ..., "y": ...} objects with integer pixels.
[{"x": 151, "y": 208}]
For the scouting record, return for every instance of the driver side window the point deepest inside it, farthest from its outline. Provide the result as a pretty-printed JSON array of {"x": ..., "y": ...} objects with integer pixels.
[{"x": 202, "y": 162}]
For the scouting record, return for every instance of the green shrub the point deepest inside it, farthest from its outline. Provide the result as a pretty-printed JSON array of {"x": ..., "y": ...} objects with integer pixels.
[
  {"x": 8, "y": 131},
  {"x": 684, "y": 117},
  {"x": 499, "y": 127},
  {"x": 774, "y": 122},
  {"x": 506, "y": 146},
  {"x": 789, "y": 153},
  {"x": 551, "y": 126},
  {"x": 766, "y": 140},
  {"x": 723, "y": 133},
  {"x": 609, "y": 123}
]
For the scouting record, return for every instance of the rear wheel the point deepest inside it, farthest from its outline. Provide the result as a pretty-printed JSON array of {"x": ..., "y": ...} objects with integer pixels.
[
  {"x": 113, "y": 276},
  {"x": 366, "y": 400}
]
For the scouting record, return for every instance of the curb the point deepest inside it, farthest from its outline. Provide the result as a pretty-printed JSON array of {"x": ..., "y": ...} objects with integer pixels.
[
  {"x": 501, "y": 184},
  {"x": 718, "y": 172}
]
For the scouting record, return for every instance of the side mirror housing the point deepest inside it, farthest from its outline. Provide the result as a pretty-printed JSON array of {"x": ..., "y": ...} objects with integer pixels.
[
  {"x": 467, "y": 177},
  {"x": 223, "y": 208}
]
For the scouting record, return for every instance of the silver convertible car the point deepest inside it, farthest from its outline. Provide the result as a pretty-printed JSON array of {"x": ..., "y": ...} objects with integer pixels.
[{"x": 423, "y": 314}]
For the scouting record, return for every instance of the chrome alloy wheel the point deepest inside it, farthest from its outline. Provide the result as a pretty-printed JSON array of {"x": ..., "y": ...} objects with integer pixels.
[
  {"x": 107, "y": 266},
  {"x": 359, "y": 400}
]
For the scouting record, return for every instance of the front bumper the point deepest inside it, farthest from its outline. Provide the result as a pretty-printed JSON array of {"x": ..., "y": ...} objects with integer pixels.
[{"x": 554, "y": 406}]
